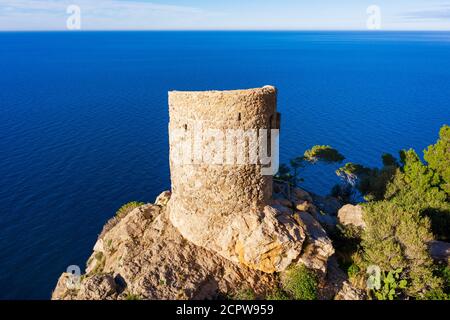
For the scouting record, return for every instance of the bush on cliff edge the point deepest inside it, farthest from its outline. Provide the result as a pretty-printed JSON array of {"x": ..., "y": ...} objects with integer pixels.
[
  {"x": 300, "y": 283},
  {"x": 396, "y": 238}
]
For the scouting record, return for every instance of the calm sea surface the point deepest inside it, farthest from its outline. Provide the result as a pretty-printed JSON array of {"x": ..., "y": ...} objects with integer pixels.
[{"x": 83, "y": 120}]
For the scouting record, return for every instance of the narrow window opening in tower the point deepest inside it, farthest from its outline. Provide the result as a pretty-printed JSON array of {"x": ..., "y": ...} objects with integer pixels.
[{"x": 185, "y": 127}]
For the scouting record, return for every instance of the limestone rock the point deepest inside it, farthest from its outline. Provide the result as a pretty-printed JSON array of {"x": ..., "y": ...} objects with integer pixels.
[
  {"x": 267, "y": 240},
  {"x": 163, "y": 199},
  {"x": 269, "y": 243},
  {"x": 98, "y": 247},
  {"x": 98, "y": 287},
  {"x": 440, "y": 250},
  {"x": 325, "y": 220},
  {"x": 301, "y": 194},
  {"x": 350, "y": 214},
  {"x": 283, "y": 209},
  {"x": 337, "y": 286},
  {"x": 318, "y": 248},
  {"x": 145, "y": 256},
  {"x": 328, "y": 205},
  {"x": 348, "y": 292}
]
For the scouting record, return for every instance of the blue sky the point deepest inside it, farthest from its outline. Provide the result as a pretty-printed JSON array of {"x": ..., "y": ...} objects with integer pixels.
[{"x": 224, "y": 14}]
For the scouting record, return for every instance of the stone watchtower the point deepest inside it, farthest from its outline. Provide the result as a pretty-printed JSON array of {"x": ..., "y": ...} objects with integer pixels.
[{"x": 218, "y": 201}]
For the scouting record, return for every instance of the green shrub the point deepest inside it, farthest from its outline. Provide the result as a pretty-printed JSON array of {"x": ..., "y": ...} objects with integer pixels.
[
  {"x": 300, "y": 283},
  {"x": 392, "y": 285},
  {"x": 127, "y": 208}
]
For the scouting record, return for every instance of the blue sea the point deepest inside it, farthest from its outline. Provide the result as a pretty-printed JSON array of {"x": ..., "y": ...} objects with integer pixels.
[{"x": 83, "y": 120}]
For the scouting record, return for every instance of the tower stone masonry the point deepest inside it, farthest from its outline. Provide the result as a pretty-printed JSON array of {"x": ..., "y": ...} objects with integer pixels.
[{"x": 224, "y": 205}]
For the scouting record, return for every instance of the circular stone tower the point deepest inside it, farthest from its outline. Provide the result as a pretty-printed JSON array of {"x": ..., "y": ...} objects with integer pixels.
[{"x": 219, "y": 192}]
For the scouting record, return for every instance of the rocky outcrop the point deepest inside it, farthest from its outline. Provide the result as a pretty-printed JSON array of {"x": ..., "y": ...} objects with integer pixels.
[
  {"x": 323, "y": 209},
  {"x": 268, "y": 241},
  {"x": 349, "y": 292},
  {"x": 300, "y": 194},
  {"x": 222, "y": 227},
  {"x": 318, "y": 248},
  {"x": 141, "y": 255},
  {"x": 351, "y": 215},
  {"x": 337, "y": 285},
  {"x": 221, "y": 191}
]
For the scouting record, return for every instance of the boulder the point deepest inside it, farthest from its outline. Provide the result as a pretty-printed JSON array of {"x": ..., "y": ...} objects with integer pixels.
[
  {"x": 337, "y": 285},
  {"x": 351, "y": 215},
  {"x": 269, "y": 242},
  {"x": 318, "y": 247},
  {"x": 440, "y": 251},
  {"x": 324, "y": 219}
]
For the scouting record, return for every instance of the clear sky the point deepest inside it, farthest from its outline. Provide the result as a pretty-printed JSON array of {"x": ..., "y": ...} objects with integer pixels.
[{"x": 224, "y": 14}]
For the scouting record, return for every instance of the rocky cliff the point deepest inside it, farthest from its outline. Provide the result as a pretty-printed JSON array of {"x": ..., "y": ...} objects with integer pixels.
[{"x": 141, "y": 255}]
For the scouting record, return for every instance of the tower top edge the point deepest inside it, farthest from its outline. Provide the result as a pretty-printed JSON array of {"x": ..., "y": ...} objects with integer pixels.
[{"x": 268, "y": 89}]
